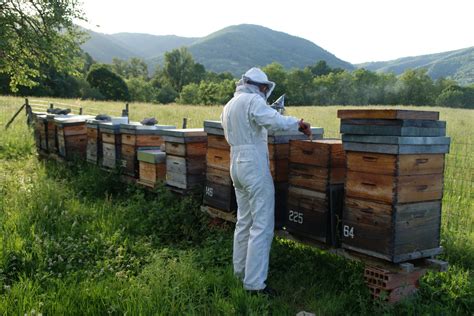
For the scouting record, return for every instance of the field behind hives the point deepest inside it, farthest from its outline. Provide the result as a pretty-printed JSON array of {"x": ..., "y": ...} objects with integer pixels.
[{"x": 74, "y": 240}]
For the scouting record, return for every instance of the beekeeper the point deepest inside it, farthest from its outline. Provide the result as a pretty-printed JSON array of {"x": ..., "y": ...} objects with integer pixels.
[{"x": 246, "y": 119}]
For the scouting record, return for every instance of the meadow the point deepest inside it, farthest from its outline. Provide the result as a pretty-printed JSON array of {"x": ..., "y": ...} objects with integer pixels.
[{"x": 75, "y": 240}]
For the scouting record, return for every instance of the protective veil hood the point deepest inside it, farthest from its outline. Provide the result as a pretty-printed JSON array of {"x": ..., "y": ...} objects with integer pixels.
[{"x": 257, "y": 75}]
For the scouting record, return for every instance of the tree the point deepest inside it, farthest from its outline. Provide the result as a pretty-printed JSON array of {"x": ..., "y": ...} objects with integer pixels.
[
  {"x": 367, "y": 89},
  {"x": 207, "y": 92},
  {"x": 416, "y": 87},
  {"x": 166, "y": 94},
  {"x": 180, "y": 69},
  {"x": 277, "y": 74},
  {"x": 133, "y": 68},
  {"x": 189, "y": 94},
  {"x": 217, "y": 77},
  {"x": 37, "y": 33},
  {"x": 320, "y": 69},
  {"x": 456, "y": 96},
  {"x": 299, "y": 84},
  {"x": 109, "y": 84},
  {"x": 141, "y": 90}
]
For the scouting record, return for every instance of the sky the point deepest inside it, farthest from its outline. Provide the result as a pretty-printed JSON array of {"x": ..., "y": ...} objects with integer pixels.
[{"x": 354, "y": 30}]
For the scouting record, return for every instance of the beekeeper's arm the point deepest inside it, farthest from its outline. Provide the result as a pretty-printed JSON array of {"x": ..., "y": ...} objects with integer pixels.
[{"x": 269, "y": 118}]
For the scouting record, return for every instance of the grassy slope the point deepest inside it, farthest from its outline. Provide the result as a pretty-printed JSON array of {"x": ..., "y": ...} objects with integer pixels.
[{"x": 76, "y": 241}]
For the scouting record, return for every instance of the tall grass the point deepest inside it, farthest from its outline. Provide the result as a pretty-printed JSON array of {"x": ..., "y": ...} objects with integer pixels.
[{"x": 75, "y": 240}]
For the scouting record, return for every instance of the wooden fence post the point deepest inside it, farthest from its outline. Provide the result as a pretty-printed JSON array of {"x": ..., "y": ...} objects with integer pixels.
[
  {"x": 185, "y": 122},
  {"x": 14, "y": 116},
  {"x": 125, "y": 111},
  {"x": 29, "y": 112}
]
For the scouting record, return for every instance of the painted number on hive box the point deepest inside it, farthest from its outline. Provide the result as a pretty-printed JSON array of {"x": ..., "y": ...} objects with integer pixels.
[
  {"x": 209, "y": 191},
  {"x": 348, "y": 231},
  {"x": 295, "y": 217}
]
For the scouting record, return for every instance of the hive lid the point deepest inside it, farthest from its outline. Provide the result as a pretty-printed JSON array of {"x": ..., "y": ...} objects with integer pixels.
[
  {"x": 93, "y": 123},
  {"x": 138, "y": 128},
  {"x": 184, "y": 132},
  {"x": 109, "y": 127},
  {"x": 151, "y": 156},
  {"x": 213, "y": 128},
  {"x": 408, "y": 128},
  {"x": 38, "y": 113},
  {"x": 314, "y": 130},
  {"x": 396, "y": 149},
  {"x": 401, "y": 140},
  {"x": 326, "y": 141},
  {"x": 212, "y": 124},
  {"x": 387, "y": 114},
  {"x": 71, "y": 119},
  {"x": 52, "y": 117}
]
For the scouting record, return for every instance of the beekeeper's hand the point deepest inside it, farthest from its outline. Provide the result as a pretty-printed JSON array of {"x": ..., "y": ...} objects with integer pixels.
[{"x": 304, "y": 127}]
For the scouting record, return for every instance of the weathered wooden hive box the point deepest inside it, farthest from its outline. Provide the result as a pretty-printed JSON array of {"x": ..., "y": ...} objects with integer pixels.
[
  {"x": 135, "y": 136},
  {"x": 185, "y": 157},
  {"x": 278, "y": 153},
  {"x": 317, "y": 171},
  {"x": 152, "y": 167},
  {"x": 219, "y": 191},
  {"x": 394, "y": 183},
  {"x": 111, "y": 144},
  {"x": 94, "y": 141},
  {"x": 41, "y": 132},
  {"x": 72, "y": 136},
  {"x": 52, "y": 138}
]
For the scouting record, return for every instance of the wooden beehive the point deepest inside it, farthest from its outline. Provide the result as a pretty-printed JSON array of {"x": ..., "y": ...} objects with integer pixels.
[
  {"x": 278, "y": 153},
  {"x": 72, "y": 136},
  {"x": 219, "y": 191},
  {"x": 41, "y": 133},
  {"x": 394, "y": 183},
  {"x": 51, "y": 129},
  {"x": 152, "y": 167},
  {"x": 111, "y": 145},
  {"x": 135, "y": 136},
  {"x": 393, "y": 204},
  {"x": 94, "y": 142},
  {"x": 278, "y": 150},
  {"x": 317, "y": 170},
  {"x": 394, "y": 232},
  {"x": 185, "y": 157}
]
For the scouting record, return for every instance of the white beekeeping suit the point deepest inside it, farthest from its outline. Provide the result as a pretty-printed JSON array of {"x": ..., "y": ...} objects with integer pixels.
[{"x": 245, "y": 120}]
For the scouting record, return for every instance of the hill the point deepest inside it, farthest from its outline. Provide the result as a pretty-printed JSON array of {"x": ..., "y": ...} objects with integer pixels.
[
  {"x": 104, "y": 47},
  {"x": 150, "y": 46},
  {"x": 457, "y": 65},
  {"x": 233, "y": 49},
  {"x": 237, "y": 48}
]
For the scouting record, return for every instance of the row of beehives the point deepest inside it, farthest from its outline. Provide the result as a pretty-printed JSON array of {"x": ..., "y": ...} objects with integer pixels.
[
  {"x": 378, "y": 191},
  {"x": 390, "y": 164}
]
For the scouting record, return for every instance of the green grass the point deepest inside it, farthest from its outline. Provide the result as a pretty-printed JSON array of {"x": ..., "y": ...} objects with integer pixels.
[{"x": 75, "y": 240}]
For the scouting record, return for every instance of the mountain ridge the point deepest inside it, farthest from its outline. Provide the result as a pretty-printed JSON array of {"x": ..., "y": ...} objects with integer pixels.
[
  {"x": 456, "y": 64},
  {"x": 234, "y": 48},
  {"x": 238, "y": 47}
]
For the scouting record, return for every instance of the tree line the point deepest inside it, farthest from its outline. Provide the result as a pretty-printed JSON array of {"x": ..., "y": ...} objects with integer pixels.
[{"x": 40, "y": 56}]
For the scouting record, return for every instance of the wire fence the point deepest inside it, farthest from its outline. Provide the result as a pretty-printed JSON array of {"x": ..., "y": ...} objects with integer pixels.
[{"x": 44, "y": 105}]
